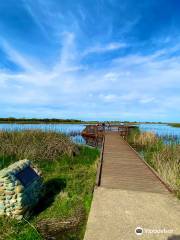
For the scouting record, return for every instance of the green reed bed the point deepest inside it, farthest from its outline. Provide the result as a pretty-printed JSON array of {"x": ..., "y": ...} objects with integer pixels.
[
  {"x": 164, "y": 158},
  {"x": 69, "y": 174},
  {"x": 174, "y": 124}
]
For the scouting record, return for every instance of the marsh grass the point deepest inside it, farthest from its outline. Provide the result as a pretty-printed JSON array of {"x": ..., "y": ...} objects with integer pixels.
[
  {"x": 69, "y": 178},
  {"x": 164, "y": 158},
  {"x": 174, "y": 124},
  {"x": 36, "y": 145}
]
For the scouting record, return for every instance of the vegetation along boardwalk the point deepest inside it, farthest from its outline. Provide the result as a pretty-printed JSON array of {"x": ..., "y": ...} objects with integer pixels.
[{"x": 130, "y": 195}]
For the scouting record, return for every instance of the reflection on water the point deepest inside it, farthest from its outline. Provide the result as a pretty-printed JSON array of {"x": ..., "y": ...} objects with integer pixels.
[{"x": 93, "y": 142}]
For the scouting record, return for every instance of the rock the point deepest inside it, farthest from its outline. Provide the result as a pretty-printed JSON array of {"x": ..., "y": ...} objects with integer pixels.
[
  {"x": 1, "y": 184},
  {"x": 2, "y": 206},
  {"x": 9, "y": 197},
  {"x": 18, "y": 217},
  {"x": 2, "y": 202},
  {"x": 7, "y": 178},
  {"x": 19, "y": 199},
  {"x": 20, "y": 194},
  {"x": 17, "y": 182},
  {"x": 12, "y": 201},
  {"x": 9, "y": 192},
  {"x": 13, "y": 179},
  {"x": 2, "y": 190},
  {"x": 3, "y": 173},
  {"x": 11, "y": 185},
  {"x": 7, "y": 182},
  {"x": 2, "y": 212},
  {"x": 2, "y": 197},
  {"x": 14, "y": 196},
  {"x": 10, "y": 189},
  {"x": 6, "y": 201},
  {"x": 18, "y": 207},
  {"x": 19, "y": 189},
  {"x": 18, "y": 212}
]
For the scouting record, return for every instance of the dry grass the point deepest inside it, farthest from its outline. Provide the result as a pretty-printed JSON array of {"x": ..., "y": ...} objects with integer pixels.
[
  {"x": 145, "y": 138},
  {"x": 35, "y": 145},
  {"x": 164, "y": 158},
  {"x": 167, "y": 163}
]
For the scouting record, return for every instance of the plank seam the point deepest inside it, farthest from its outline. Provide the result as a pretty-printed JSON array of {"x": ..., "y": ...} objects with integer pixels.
[{"x": 150, "y": 168}]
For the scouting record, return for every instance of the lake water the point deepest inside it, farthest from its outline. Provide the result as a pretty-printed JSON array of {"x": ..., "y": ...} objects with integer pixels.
[
  {"x": 167, "y": 133},
  {"x": 74, "y": 130}
]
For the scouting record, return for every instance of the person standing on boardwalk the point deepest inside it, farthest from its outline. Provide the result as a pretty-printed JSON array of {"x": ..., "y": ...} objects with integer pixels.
[
  {"x": 108, "y": 126},
  {"x": 103, "y": 126}
]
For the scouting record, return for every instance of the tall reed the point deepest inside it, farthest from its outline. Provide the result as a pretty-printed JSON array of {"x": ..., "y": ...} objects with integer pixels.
[
  {"x": 35, "y": 145},
  {"x": 164, "y": 158}
]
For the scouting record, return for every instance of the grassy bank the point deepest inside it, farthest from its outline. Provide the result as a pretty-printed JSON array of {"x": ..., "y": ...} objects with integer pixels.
[
  {"x": 164, "y": 158},
  {"x": 174, "y": 124},
  {"x": 69, "y": 173}
]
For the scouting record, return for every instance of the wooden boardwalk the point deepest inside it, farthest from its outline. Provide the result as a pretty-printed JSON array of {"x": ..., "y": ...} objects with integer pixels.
[
  {"x": 130, "y": 195},
  {"x": 122, "y": 168}
]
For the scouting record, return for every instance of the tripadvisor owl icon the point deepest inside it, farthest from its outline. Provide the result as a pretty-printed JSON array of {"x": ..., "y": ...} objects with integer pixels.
[{"x": 139, "y": 231}]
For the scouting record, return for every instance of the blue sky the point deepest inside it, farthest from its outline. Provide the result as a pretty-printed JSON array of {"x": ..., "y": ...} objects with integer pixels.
[{"x": 86, "y": 59}]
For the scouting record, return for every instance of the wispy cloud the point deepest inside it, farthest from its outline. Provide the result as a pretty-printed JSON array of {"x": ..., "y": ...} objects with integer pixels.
[
  {"x": 15, "y": 56},
  {"x": 102, "y": 48},
  {"x": 90, "y": 78},
  {"x": 133, "y": 83},
  {"x": 35, "y": 17}
]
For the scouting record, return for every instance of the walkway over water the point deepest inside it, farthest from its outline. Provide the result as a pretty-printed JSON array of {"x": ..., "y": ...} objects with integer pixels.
[
  {"x": 122, "y": 168},
  {"x": 130, "y": 194}
]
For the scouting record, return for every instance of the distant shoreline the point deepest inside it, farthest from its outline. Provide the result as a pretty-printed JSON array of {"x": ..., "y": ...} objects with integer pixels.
[
  {"x": 71, "y": 121},
  {"x": 174, "y": 125},
  {"x": 39, "y": 122}
]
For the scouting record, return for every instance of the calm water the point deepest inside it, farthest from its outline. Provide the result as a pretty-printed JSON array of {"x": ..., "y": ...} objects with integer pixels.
[
  {"x": 167, "y": 133},
  {"x": 74, "y": 130}
]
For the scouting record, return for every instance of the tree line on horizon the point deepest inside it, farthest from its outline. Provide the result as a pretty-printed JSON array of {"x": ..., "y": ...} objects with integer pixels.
[
  {"x": 58, "y": 120},
  {"x": 12, "y": 119}
]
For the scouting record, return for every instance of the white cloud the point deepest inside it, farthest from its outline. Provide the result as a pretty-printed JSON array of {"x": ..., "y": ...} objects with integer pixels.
[
  {"x": 15, "y": 57},
  {"x": 128, "y": 85},
  {"x": 99, "y": 48},
  {"x": 147, "y": 100},
  {"x": 108, "y": 97}
]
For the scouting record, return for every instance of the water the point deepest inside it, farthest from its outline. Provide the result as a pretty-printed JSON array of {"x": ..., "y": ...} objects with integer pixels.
[
  {"x": 71, "y": 130},
  {"x": 166, "y": 132},
  {"x": 74, "y": 130}
]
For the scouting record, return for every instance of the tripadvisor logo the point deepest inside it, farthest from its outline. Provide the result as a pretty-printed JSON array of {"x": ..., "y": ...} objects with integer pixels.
[{"x": 139, "y": 231}]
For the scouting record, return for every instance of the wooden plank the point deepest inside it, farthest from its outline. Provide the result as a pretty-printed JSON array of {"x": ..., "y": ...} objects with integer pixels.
[{"x": 123, "y": 169}]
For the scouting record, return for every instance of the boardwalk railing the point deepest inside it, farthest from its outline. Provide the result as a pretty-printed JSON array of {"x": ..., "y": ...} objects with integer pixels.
[
  {"x": 99, "y": 169},
  {"x": 96, "y": 133}
]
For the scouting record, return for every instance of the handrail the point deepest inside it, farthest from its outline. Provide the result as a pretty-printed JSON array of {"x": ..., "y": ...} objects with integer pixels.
[
  {"x": 166, "y": 185},
  {"x": 99, "y": 169}
]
